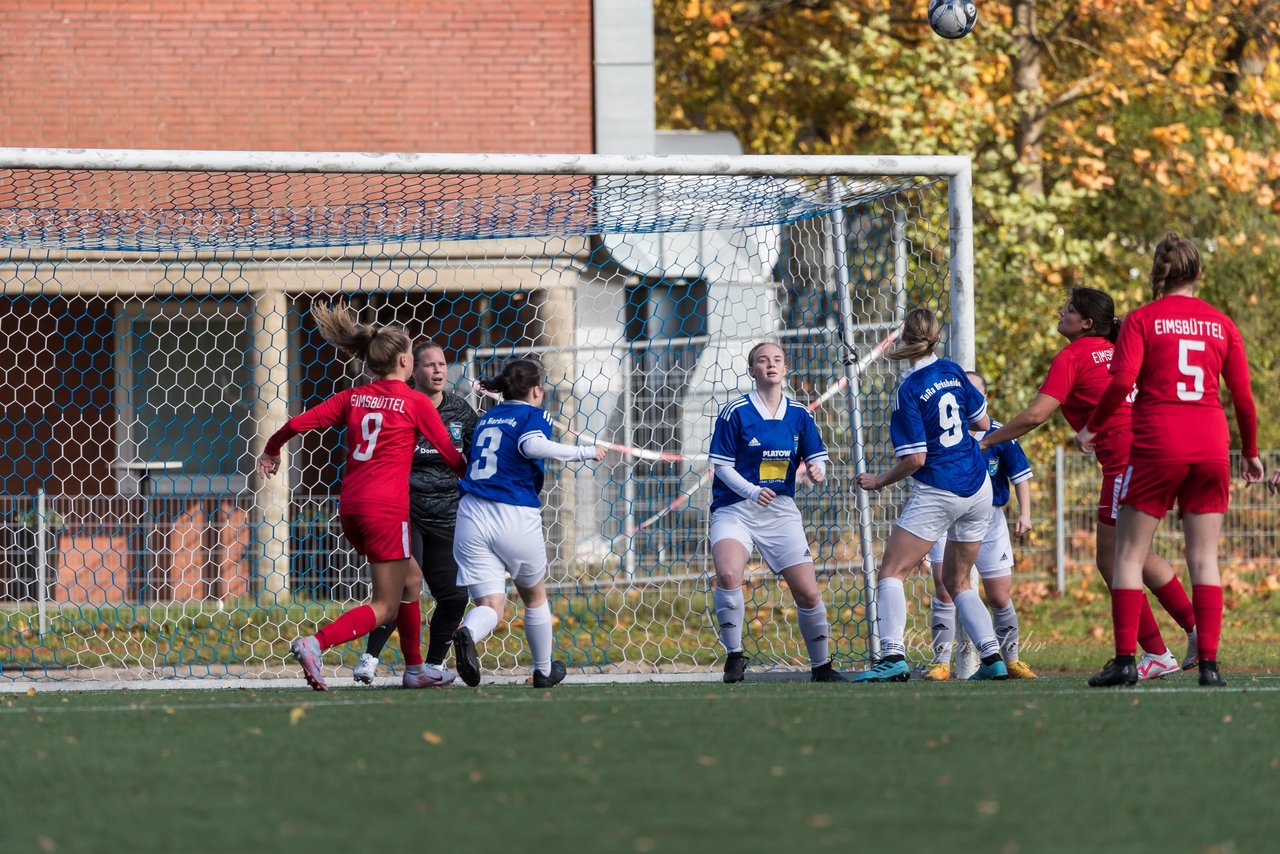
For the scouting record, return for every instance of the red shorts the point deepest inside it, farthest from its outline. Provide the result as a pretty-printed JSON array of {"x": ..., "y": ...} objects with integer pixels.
[
  {"x": 378, "y": 538},
  {"x": 1196, "y": 487},
  {"x": 1109, "y": 500}
]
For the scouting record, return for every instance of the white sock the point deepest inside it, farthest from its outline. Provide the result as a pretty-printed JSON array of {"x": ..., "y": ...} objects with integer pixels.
[
  {"x": 730, "y": 611},
  {"x": 891, "y": 616},
  {"x": 537, "y": 633},
  {"x": 942, "y": 630},
  {"x": 977, "y": 622},
  {"x": 480, "y": 621},
  {"x": 815, "y": 630},
  {"x": 1006, "y": 624}
]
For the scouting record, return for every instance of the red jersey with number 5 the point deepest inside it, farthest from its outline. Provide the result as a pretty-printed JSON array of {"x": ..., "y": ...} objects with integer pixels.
[
  {"x": 383, "y": 420},
  {"x": 1174, "y": 349}
]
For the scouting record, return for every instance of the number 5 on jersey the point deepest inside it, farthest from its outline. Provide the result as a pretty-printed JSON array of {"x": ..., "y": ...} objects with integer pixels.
[{"x": 1196, "y": 390}]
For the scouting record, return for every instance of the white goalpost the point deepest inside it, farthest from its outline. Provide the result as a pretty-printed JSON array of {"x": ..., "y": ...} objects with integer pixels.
[{"x": 156, "y": 306}]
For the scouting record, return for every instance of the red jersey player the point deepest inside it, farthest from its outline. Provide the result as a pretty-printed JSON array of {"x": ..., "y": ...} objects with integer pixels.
[
  {"x": 1077, "y": 377},
  {"x": 1174, "y": 348},
  {"x": 383, "y": 420}
]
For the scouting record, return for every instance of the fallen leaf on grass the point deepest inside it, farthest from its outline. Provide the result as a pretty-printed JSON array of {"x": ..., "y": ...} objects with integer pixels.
[
  {"x": 706, "y": 761},
  {"x": 432, "y": 737},
  {"x": 46, "y": 844},
  {"x": 819, "y": 821},
  {"x": 1226, "y": 719},
  {"x": 296, "y": 714},
  {"x": 31, "y": 692},
  {"x": 988, "y": 807}
]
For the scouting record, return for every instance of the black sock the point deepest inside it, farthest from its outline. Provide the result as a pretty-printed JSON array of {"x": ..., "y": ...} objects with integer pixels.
[
  {"x": 1122, "y": 660},
  {"x": 378, "y": 639},
  {"x": 991, "y": 659},
  {"x": 894, "y": 658}
]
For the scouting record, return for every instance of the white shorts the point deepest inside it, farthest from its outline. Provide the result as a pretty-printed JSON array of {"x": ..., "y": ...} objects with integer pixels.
[
  {"x": 776, "y": 531},
  {"x": 931, "y": 512},
  {"x": 493, "y": 541},
  {"x": 995, "y": 556}
]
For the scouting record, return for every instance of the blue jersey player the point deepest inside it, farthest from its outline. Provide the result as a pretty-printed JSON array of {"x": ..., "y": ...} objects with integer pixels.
[
  {"x": 499, "y": 528},
  {"x": 760, "y": 440},
  {"x": 934, "y": 409},
  {"x": 1009, "y": 470}
]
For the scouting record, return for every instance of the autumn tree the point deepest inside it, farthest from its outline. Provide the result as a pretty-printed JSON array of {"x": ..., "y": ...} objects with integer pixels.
[{"x": 1094, "y": 126}]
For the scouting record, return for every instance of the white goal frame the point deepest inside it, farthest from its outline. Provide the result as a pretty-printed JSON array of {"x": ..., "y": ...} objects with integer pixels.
[{"x": 273, "y": 497}]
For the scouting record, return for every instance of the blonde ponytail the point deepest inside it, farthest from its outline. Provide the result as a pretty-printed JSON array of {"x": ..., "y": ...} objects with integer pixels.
[
  {"x": 377, "y": 346},
  {"x": 921, "y": 332}
]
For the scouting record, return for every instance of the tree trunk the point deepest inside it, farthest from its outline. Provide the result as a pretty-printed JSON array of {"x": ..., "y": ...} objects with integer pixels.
[{"x": 1027, "y": 95}]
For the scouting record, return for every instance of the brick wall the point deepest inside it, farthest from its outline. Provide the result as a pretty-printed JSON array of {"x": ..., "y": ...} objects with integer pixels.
[{"x": 398, "y": 75}]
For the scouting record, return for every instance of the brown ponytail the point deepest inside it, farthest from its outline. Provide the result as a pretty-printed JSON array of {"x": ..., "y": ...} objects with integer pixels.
[
  {"x": 377, "y": 346},
  {"x": 1176, "y": 263}
]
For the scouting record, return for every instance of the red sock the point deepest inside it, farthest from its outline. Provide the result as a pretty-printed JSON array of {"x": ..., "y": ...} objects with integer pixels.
[
  {"x": 1149, "y": 630},
  {"x": 1126, "y": 605},
  {"x": 353, "y": 624},
  {"x": 409, "y": 625},
  {"x": 1208, "y": 604},
  {"x": 1173, "y": 597}
]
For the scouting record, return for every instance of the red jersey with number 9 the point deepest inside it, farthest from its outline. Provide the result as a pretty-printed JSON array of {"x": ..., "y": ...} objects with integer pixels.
[
  {"x": 1174, "y": 349},
  {"x": 383, "y": 420}
]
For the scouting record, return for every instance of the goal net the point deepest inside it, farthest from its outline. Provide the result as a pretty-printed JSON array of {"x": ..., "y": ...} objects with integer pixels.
[{"x": 157, "y": 326}]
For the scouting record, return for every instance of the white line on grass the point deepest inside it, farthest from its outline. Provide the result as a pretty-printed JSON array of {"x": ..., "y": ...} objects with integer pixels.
[{"x": 450, "y": 698}]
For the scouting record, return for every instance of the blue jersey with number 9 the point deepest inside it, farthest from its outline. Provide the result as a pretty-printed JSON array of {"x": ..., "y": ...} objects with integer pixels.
[
  {"x": 932, "y": 412},
  {"x": 498, "y": 471}
]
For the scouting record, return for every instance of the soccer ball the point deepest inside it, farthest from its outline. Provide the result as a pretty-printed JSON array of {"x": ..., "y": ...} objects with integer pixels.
[{"x": 952, "y": 19}]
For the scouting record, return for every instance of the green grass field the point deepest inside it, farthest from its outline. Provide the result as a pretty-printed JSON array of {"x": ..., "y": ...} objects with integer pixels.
[{"x": 771, "y": 766}]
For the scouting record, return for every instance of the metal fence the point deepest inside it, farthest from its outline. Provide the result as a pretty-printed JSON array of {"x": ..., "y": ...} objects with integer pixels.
[
  {"x": 1065, "y": 494},
  {"x": 201, "y": 548}
]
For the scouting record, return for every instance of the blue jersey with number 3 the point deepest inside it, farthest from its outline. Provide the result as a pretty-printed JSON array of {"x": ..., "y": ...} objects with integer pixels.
[
  {"x": 931, "y": 414},
  {"x": 498, "y": 471}
]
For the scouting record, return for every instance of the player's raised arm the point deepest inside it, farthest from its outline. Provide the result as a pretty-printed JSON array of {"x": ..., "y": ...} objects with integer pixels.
[{"x": 330, "y": 412}]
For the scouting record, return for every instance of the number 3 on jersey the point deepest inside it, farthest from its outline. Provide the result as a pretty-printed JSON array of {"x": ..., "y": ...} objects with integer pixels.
[
  {"x": 485, "y": 465},
  {"x": 1195, "y": 390},
  {"x": 370, "y": 427}
]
